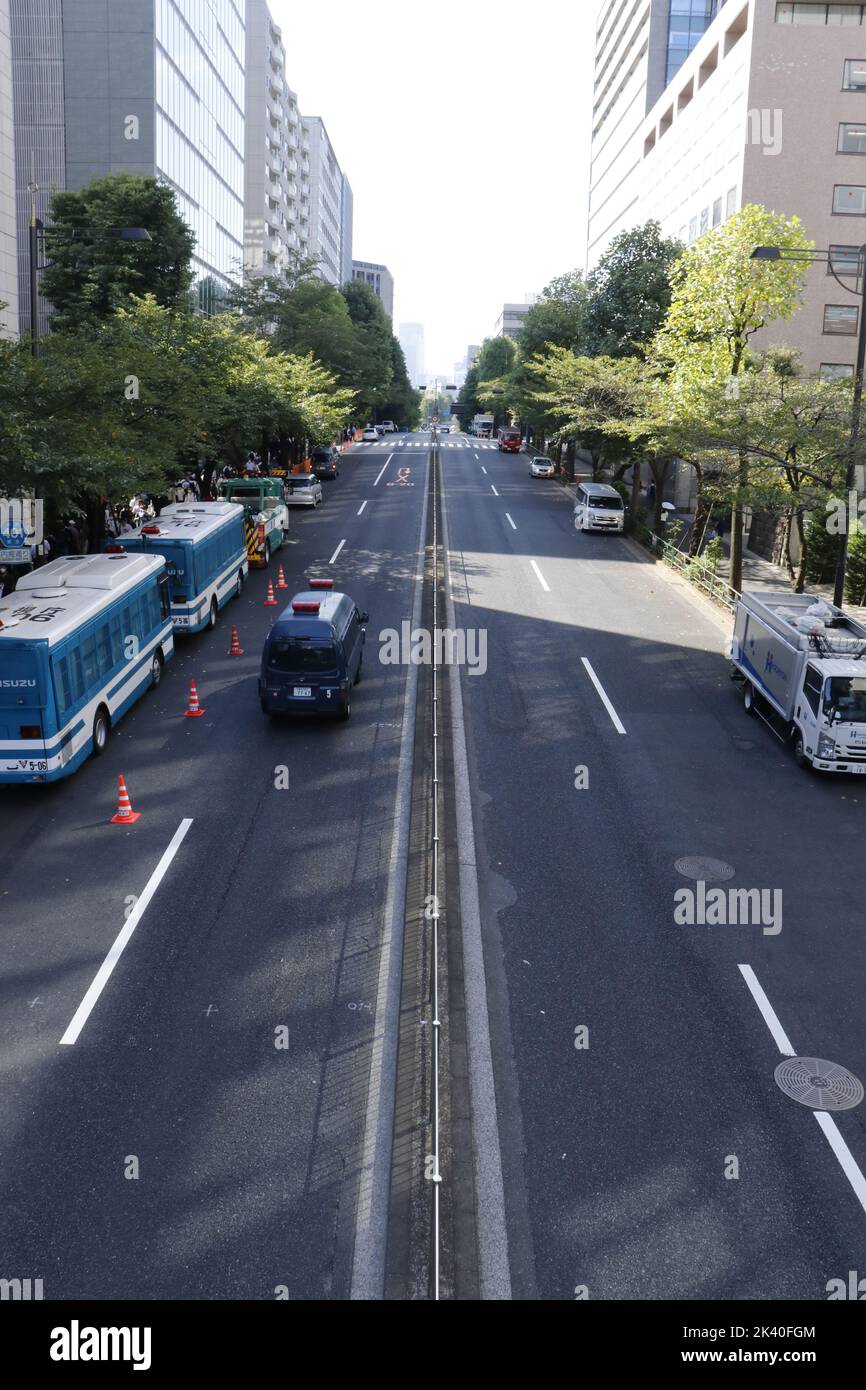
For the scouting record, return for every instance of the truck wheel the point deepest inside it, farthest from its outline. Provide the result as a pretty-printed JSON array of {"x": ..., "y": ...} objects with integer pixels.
[
  {"x": 748, "y": 698},
  {"x": 212, "y": 615},
  {"x": 240, "y": 586},
  {"x": 346, "y": 711},
  {"x": 267, "y": 554},
  {"x": 156, "y": 670},
  {"x": 800, "y": 752}
]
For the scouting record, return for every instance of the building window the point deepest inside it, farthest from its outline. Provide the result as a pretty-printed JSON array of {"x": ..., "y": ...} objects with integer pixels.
[
  {"x": 693, "y": 230},
  {"x": 841, "y": 318},
  {"x": 849, "y": 199},
  {"x": 797, "y": 13},
  {"x": 835, "y": 371},
  {"x": 717, "y": 212},
  {"x": 852, "y": 137},
  {"x": 731, "y": 205},
  {"x": 854, "y": 77},
  {"x": 689, "y": 21},
  {"x": 844, "y": 260},
  {"x": 705, "y": 220}
]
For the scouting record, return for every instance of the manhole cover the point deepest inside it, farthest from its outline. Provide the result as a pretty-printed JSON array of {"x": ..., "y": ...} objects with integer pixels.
[
  {"x": 818, "y": 1084},
  {"x": 699, "y": 867}
]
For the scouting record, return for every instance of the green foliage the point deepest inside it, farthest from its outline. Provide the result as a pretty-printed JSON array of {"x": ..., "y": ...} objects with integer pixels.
[
  {"x": 855, "y": 578},
  {"x": 823, "y": 549},
  {"x": 629, "y": 292},
  {"x": 92, "y": 273},
  {"x": 557, "y": 317}
]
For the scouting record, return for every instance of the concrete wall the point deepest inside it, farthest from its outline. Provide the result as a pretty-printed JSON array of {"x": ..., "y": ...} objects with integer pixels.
[{"x": 108, "y": 60}]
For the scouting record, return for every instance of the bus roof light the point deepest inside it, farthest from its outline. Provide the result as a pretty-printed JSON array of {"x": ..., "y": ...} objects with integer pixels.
[{"x": 150, "y": 530}]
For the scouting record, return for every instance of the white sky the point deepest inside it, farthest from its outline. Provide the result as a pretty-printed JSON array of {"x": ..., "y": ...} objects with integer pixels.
[{"x": 464, "y": 132}]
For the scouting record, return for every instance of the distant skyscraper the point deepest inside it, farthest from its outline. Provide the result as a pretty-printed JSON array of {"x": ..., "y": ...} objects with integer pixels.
[
  {"x": 471, "y": 353},
  {"x": 380, "y": 279},
  {"x": 411, "y": 337}
]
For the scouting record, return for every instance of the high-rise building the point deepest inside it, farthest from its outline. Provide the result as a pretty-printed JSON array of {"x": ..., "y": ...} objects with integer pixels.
[
  {"x": 471, "y": 353},
  {"x": 274, "y": 234},
  {"x": 411, "y": 336},
  {"x": 156, "y": 88},
  {"x": 510, "y": 321},
  {"x": 8, "y": 238},
  {"x": 328, "y": 220},
  {"x": 380, "y": 279},
  {"x": 691, "y": 139},
  {"x": 347, "y": 217}
]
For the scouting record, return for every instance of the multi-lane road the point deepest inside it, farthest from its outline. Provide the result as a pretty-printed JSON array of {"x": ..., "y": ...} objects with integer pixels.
[{"x": 208, "y": 1132}]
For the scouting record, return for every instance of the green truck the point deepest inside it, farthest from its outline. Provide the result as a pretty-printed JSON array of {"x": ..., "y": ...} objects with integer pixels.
[{"x": 266, "y": 516}]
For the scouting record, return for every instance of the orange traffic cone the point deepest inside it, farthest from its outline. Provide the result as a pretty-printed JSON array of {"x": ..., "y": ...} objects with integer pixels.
[
  {"x": 270, "y": 601},
  {"x": 281, "y": 579},
  {"x": 235, "y": 647},
  {"x": 195, "y": 710},
  {"x": 125, "y": 814}
]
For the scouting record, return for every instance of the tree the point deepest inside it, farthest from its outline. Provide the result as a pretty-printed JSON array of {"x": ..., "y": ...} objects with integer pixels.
[
  {"x": 92, "y": 272},
  {"x": 372, "y": 367},
  {"x": 721, "y": 298},
  {"x": 629, "y": 292},
  {"x": 557, "y": 317},
  {"x": 467, "y": 405},
  {"x": 402, "y": 403}
]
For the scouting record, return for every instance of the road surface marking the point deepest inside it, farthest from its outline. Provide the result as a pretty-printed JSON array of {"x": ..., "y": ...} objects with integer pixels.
[
  {"x": 826, "y": 1123},
  {"x": 540, "y": 577},
  {"x": 361, "y": 508},
  {"x": 780, "y": 1037},
  {"x": 513, "y": 527},
  {"x": 493, "y": 488},
  {"x": 374, "y": 1182},
  {"x": 337, "y": 551},
  {"x": 384, "y": 466},
  {"x": 103, "y": 974},
  {"x": 605, "y": 701},
  {"x": 477, "y": 455},
  {"x": 484, "y": 470}
]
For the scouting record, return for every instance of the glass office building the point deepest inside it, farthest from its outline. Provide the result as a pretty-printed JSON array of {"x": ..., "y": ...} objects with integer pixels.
[
  {"x": 199, "y": 130},
  {"x": 689, "y": 21}
]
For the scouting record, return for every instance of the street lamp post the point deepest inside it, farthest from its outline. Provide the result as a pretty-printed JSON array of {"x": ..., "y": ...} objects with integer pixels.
[
  {"x": 779, "y": 253},
  {"x": 37, "y": 230}
]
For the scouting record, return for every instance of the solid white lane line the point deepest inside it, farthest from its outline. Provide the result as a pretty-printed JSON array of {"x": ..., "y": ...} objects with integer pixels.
[
  {"x": 384, "y": 466},
  {"x": 337, "y": 551},
  {"x": 826, "y": 1123},
  {"x": 513, "y": 527},
  {"x": 493, "y": 488},
  {"x": 540, "y": 577},
  {"x": 103, "y": 974},
  {"x": 361, "y": 508},
  {"x": 604, "y": 700},
  {"x": 484, "y": 470},
  {"x": 847, "y": 1161},
  {"x": 780, "y": 1037}
]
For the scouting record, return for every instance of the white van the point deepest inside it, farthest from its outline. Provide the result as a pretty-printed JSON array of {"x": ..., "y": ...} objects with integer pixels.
[{"x": 598, "y": 507}]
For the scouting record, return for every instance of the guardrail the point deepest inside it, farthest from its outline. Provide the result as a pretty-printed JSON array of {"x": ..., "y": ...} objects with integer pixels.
[{"x": 691, "y": 568}]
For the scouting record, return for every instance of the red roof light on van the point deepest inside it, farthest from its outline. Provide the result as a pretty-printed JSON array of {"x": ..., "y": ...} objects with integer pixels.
[
  {"x": 321, "y": 583},
  {"x": 301, "y": 605},
  {"x": 113, "y": 550}
]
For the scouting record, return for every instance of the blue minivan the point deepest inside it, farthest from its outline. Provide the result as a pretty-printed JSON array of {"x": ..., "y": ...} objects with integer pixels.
[{"x": 313, "y": 654}]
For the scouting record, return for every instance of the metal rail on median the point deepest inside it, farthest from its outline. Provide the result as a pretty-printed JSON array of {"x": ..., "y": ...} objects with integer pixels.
[
  {"x": 434, "y": 973},
  {"x": 691, "y": 569}
]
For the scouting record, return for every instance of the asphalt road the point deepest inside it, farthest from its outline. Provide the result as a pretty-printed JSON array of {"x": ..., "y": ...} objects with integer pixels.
[
  {"x": 615, "y": 1153},
  {"x": 267, "y": 919}
]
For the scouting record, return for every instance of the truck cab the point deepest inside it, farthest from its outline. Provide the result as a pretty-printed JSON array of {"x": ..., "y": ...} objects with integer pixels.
[
  {"x": 802, "y": 662},
  {"x": 266, "y": 516}
]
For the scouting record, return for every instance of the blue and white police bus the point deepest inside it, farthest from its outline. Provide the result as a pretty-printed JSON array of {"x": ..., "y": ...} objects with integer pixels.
[
  {"x": 81, "y": 639},
  {"x": 205, "y": 551}
]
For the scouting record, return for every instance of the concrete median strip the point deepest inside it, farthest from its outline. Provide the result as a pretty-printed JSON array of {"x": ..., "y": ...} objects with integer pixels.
[
  {"x": 493, "y": 1258},
  {"x": 371, "y": 1218}
]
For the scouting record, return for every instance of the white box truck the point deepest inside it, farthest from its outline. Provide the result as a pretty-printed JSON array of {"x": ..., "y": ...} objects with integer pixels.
[
  {"x": 802, "y": 663},
  {"x": 482, "y": 426}
]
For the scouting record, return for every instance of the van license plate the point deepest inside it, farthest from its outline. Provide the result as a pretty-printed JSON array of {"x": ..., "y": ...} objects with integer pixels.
[{"x": 303, "y": 690}]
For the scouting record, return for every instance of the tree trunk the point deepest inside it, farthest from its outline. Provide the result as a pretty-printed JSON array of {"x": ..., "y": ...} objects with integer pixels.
[
  {"x": 570, "y": 449},
  {"x": 634, "y": 505},
  {"x": 735, "y": 578}
]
